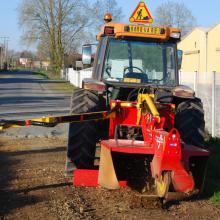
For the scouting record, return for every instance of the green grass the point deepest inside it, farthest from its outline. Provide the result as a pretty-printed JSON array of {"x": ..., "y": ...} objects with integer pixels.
[
  {"x": 216, "y": 198},
  {"x": 44, "y": 75},
  {"x": 48, "y": 74},
  {"x": 212, "y": 183},
  {"x": 58, "y": 83}
]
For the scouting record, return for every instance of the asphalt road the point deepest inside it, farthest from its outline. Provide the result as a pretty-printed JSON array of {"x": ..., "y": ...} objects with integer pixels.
[{"x": 24, "y": 95}]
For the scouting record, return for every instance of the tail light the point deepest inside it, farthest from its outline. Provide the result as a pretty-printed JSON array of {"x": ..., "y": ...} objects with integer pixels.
[{"x": 109, "y": 31}]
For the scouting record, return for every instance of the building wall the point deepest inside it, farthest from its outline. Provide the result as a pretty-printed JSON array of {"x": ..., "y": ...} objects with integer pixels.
[
  {"x": 194, "y": 51},
  {"x": 201, "y": 50},
  {"x": 214, "y": 49}
]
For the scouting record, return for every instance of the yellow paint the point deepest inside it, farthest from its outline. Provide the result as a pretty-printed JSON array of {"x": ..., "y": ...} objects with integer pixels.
[
  {"x": 148, "y": 98},
  {"x": 52, "y": 119},
  {"x": 49, "y": 119},
  {"x": 123, "y": 104},
  {"x": 132, "y": 80},
  {"x": 161, "y": 188},
  {"x": 144, "y": 29}
]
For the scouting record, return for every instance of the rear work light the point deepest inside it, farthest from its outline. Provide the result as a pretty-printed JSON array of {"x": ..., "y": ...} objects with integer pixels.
[
  {"x": 175, "y": 35},
  {"x": 183, "y": 91},
  {"x": 109, "y": 31}
]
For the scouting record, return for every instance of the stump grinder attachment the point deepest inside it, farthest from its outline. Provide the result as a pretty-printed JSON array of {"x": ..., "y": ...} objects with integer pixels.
[{"x": 165, "y": 161}]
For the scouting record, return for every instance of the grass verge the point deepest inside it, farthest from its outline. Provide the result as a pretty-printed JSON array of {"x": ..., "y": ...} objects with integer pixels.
[
  {"x": 54, "y": 75},
  {"x": 44, "y": 75},
  {"x": 48, "y": 74},
  {"x": 212, "y": 183}
]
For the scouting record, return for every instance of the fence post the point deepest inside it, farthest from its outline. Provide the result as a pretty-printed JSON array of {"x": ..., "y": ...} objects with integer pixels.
[
  {"x": 195, "y": 81},
  {"x": 79, "y": 77},
  {"x": 67, "y": 74},
  {"x": 213, "y": 103},
  {"x": 180, "y": 75}
]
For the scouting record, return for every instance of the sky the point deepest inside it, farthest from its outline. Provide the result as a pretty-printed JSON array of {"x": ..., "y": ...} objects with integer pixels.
[{"x": 206, "y": 13}]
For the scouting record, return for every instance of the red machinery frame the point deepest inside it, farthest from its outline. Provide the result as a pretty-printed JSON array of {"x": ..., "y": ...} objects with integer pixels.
[{"x": 165, "y": 147}]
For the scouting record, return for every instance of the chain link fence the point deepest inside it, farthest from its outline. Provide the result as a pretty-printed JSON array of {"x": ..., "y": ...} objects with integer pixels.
[{"x": 207, "y": 88}]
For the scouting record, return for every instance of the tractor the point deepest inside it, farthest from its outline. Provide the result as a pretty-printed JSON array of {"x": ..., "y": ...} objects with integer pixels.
[
  {"x": 146, "y": 128},
  {"x": 152, "y": 129}
]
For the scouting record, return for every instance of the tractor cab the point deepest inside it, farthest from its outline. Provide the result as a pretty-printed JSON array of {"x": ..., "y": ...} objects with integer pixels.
[{"x": 135, "y": 55}]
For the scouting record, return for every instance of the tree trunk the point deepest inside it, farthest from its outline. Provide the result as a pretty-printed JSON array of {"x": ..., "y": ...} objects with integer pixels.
[
  {"x": 59, "y": 34},
  {"x": 53, "y": 46}
]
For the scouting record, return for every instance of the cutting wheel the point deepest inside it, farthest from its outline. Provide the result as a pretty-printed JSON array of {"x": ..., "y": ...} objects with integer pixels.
[{"x": 162, "y": 184}]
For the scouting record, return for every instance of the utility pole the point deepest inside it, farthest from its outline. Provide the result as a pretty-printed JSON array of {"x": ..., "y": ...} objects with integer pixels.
[{"x": 3, "y": 52}]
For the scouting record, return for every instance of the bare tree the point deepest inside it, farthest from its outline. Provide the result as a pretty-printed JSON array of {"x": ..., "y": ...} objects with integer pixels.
[
  {"x": 96, "y": 11},
  {"x": 56, "y": 21},
  {"x": 43, "y": 49},
  {"x": 27, "y": 54},
  {"x": 59, "y": 26},
  {"x": 175, "y": 14},
  {"x": 100, "y": 7}
]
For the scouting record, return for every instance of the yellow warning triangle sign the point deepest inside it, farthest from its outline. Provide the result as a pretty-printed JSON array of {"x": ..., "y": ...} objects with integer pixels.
[{"x": 141, "y": 14}]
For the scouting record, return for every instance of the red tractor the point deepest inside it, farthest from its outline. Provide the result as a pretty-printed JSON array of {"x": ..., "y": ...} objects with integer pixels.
[{"x": 152, "y": 132}]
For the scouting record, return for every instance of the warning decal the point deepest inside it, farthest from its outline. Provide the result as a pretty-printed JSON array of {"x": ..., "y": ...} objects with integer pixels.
[{"x": 141, "y": 14}]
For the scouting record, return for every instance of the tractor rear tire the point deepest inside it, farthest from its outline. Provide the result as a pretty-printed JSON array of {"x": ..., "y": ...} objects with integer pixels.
[
  {"x": 83, "y": 136},
  {"x": 189, "y": 120}
]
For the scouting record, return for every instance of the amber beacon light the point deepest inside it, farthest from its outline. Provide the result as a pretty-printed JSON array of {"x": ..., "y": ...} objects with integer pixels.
[{"x": 108, "y": 17}]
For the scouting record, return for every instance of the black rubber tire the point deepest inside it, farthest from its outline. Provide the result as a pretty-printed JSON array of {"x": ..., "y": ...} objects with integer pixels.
[
  {"x": 189, "y": 120},
  {"x": 83, "y": 136}
]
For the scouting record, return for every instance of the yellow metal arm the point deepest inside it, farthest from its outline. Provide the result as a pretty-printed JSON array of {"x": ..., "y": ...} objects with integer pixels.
[
  {"x": 52, "y": 121},
  {"x": 148, "y": 99}
]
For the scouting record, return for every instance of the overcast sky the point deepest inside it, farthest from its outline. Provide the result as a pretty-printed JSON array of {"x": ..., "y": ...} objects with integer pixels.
[{"x": 207, "y": 14}]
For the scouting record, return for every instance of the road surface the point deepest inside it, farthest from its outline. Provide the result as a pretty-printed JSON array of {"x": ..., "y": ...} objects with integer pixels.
[
  {"x": 27, "y": 95},
  {"x": 24, "y": 95}
]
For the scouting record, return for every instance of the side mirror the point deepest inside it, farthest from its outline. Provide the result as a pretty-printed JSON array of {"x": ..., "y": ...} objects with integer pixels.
[
  {"x": 179, "y": 58},
  {"x": 87, "y": 54}
]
